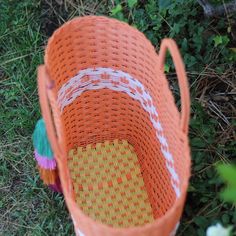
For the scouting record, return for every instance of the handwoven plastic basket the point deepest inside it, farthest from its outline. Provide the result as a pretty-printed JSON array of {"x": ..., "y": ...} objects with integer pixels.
[{"x": 120, "y": 143}]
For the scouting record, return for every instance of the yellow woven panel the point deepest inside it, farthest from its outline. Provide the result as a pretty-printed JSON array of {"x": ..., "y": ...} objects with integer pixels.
[{"x": 108, "y": 184}]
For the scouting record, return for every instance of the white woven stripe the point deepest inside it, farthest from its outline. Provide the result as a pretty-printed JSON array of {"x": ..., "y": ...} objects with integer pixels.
[{"x": 100, "y": 78}]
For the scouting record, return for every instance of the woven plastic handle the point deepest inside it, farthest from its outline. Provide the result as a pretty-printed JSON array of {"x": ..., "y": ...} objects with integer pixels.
[
  {"x": 44, "y": 85},
  {"x": 169, "y": 44}
]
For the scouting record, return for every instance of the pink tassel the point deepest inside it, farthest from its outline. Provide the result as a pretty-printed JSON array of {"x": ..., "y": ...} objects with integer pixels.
[{"x": 44, "y": 162}]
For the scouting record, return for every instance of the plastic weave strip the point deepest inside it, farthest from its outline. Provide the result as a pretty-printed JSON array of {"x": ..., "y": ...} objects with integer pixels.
[{"x": 108, "y": 184}]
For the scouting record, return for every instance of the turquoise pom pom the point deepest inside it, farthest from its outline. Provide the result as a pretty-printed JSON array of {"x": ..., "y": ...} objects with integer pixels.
[{"x": 40, "y": 140}]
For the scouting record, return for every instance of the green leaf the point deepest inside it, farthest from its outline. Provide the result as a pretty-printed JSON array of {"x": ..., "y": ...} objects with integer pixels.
[
  {"x": 200, "y": 232},
  {"x": 229, "y": 195},
  {"x": 176, "y": 28},
  {"x": 228, "y": 173},
  {"x": 225, "y": 219},
  {"x": 167, "y": 68},
  {"x": 234, "y": 216},
  {"x": 198, "y": 142},
  {"x": 116, "y": 9},
  {"x": 132, "y": 3},
  {"x": 184, "y": 44},
  {"x": 219, "y": 39},
  {"x": 164, "y": 3},
  {"x": 201, "y": 221}
]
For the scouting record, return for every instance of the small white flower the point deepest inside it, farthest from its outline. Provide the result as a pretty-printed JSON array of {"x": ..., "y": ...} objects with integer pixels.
[{"x": 218, "y": 230}]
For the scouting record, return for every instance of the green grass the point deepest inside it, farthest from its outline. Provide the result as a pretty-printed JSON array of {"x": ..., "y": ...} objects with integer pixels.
[
  {"x": 29, "y": 208},
  {"x": 26, "y": 206}
]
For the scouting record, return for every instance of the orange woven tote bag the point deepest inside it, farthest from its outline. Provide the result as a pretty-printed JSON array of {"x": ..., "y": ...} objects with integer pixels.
[{"x": 120, "y": 143}]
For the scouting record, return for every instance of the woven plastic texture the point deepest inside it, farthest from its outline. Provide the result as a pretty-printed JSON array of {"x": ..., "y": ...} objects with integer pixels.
[
  {"x": 109, "y": 185},
  {"x": 103, "y": 114}
]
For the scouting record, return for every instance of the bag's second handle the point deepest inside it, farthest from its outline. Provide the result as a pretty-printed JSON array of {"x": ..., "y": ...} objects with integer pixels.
[
  {"x": 43, "y": 87},
  {"x": 169, "y": 44}
]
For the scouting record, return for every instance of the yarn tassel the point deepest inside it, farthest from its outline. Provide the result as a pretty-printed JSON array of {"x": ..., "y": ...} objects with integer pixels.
[
  {"x": 48, "y": 176},
  {"x": 44, "y": 162},
  {"x": 44, "y": 156},
  {"x": 57, "y": 186},
  {"x": 41, "y": 142}
]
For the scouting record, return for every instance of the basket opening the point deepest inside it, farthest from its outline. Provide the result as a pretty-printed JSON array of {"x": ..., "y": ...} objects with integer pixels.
[{"x": 98, "y": 116}]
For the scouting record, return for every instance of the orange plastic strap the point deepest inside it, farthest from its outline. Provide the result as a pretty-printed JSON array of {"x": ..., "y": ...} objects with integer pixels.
[
  {"x": 44, "y": 84},
  {"x": 182, "y": 79}
]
